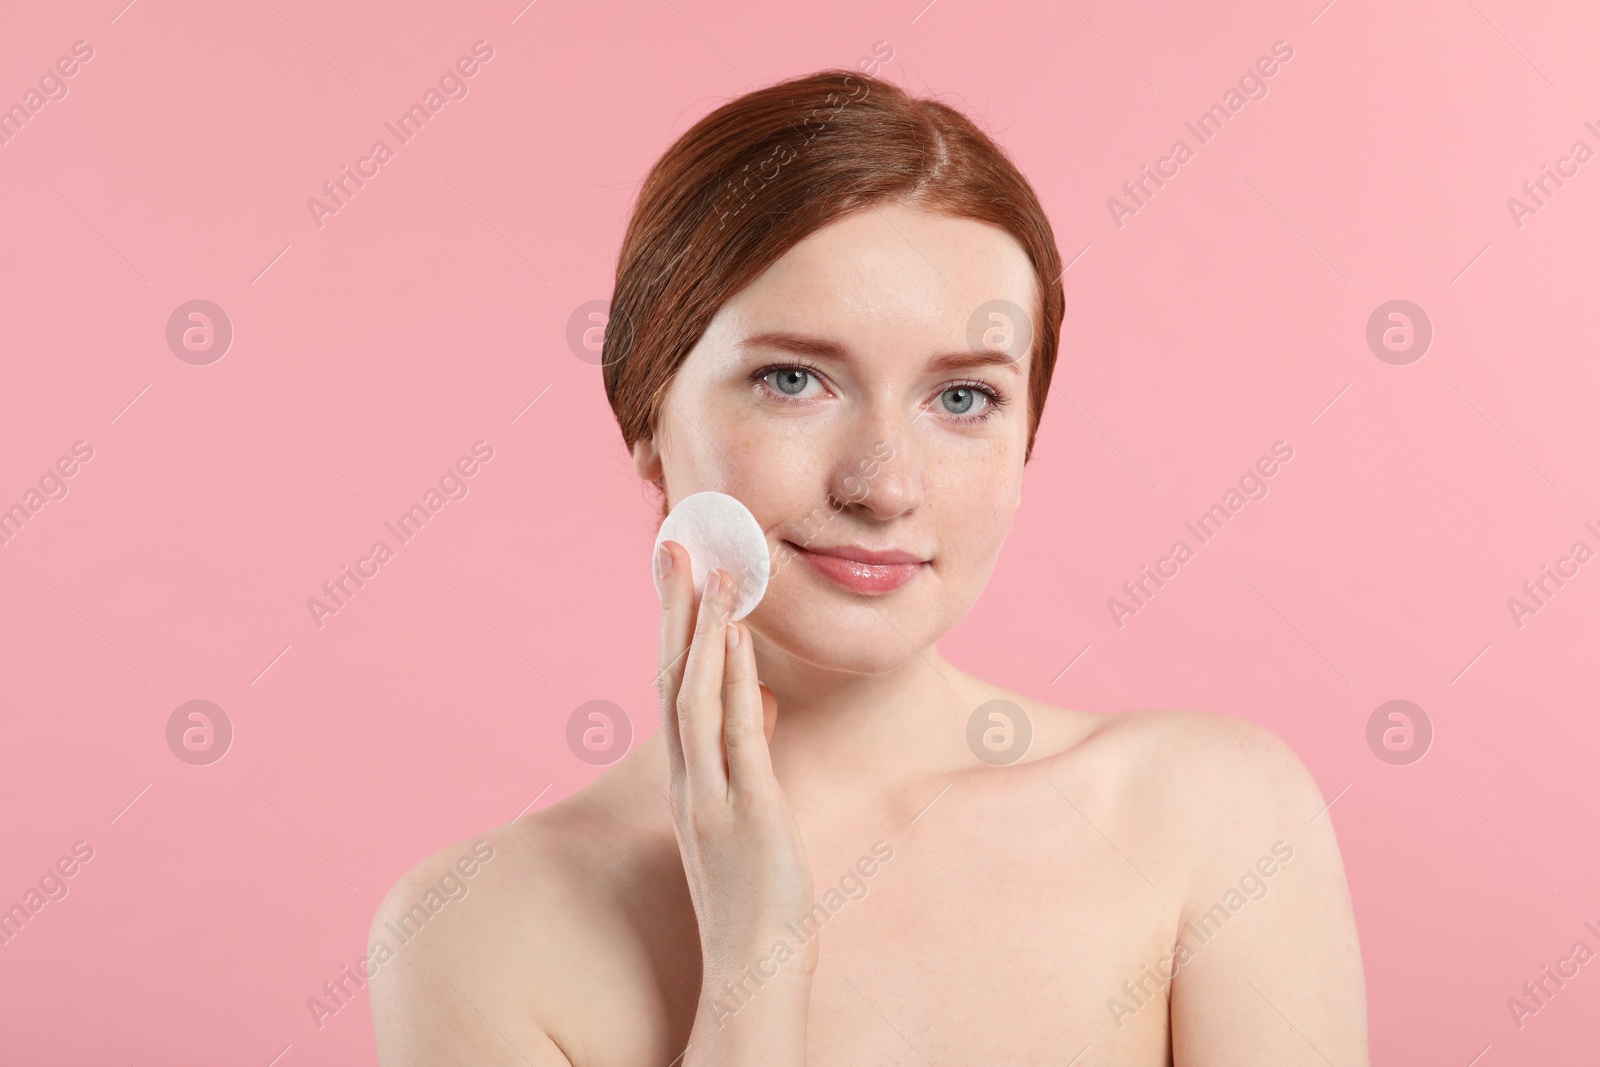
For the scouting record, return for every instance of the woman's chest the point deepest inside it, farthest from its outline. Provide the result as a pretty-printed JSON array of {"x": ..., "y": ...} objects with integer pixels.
[
  {"x": 964, "y": 940},
  {"x": 985, "y": 944}
]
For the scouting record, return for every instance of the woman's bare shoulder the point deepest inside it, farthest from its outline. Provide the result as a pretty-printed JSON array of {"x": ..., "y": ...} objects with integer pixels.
[
  {"x": 579, "y": 850},
  {"x": 1216, "y": 755},
  {"x": 1200, "y": 782},
  {"x": 1199, "y": 748},
  {"x": 1229, "y": 808},
  {"x": 1224, "y": 764},
  {"x": 525, "y": 906},
  {"x": 458, "y": 905}
]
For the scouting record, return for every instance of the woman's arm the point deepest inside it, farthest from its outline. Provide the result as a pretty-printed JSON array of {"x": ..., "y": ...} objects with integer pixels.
[
  {"x": 1268, "y": 963},
  {"x": 747, "y": 869}
]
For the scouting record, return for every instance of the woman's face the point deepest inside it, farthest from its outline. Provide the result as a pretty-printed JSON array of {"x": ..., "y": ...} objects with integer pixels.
[{"x": 852, "y": 399}]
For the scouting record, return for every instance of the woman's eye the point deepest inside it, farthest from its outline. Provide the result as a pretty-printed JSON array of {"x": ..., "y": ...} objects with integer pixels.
[
  {"x": 959, "y": 400},
  {"x": 790, "y": 381}
]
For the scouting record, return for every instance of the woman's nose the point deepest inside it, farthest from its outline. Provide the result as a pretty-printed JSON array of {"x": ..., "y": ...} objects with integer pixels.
[{"x": 880, "y": 471}]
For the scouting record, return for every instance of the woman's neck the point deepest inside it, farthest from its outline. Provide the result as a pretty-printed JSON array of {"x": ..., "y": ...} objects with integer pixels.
[{"x": 845, "y": 741}]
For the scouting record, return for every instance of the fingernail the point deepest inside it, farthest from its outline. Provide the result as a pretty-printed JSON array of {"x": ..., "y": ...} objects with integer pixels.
[
  {"x": 733, "y": 637},
  {"x": 663, "y": 560},
  {"x": 713, "y": 583}
]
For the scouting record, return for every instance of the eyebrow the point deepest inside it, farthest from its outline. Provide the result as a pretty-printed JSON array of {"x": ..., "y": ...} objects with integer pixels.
[{"x": 822, "y": 348}]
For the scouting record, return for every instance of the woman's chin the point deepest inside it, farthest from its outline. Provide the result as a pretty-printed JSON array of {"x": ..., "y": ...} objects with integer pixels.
[
  {"x": 851, "y": 660},
  {"x": 871, "y": 645}
]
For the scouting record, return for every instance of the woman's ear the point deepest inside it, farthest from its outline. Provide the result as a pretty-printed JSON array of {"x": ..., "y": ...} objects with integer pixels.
[{"x": 646, "y": 459}]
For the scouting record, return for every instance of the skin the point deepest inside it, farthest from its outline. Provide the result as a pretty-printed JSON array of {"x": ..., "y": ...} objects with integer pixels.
[{"x": 1026, "y": 913}]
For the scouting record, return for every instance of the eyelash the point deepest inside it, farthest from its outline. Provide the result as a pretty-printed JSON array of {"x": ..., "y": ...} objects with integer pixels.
[{"x": 997, "y": 397}]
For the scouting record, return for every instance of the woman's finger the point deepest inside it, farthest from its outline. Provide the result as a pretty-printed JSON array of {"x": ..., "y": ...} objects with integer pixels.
[
  {"x": 677, "y": 626},
  {"x": 699, "y": 704},
  {"x": 749, "y": 765}
]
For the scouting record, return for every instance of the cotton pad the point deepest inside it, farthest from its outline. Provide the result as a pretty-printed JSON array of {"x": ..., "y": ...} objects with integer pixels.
[{"x": 720, "y": 533}]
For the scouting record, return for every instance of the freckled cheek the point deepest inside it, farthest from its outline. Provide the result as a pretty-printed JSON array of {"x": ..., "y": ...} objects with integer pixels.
[
  {"x": 775, "y": 477},
  {"x": 972, "y": 511},
  {"x": 974, "y": 478},
  {"x": 714, "y": 456},
  {"x": 969, "y": 541}
]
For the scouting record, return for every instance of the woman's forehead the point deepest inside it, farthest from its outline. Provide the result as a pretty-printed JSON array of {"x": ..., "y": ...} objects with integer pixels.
[{"x": 887, "y": 273}]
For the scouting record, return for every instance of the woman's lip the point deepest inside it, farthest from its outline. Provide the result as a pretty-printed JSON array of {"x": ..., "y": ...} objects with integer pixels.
[
  {"x": 859, "y": 575},
  {"x": 863, "y": 555}
]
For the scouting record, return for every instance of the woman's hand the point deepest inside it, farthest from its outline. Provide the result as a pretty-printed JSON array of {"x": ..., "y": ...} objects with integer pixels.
[{"x": 747, "y": 869}]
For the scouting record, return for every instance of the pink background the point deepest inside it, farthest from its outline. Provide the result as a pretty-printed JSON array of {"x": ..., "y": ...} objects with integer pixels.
[{"x": 1229, "y": 313}]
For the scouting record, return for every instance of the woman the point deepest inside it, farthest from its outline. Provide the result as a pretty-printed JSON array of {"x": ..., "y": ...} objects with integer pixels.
[{"x": 841, "y": 305}]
